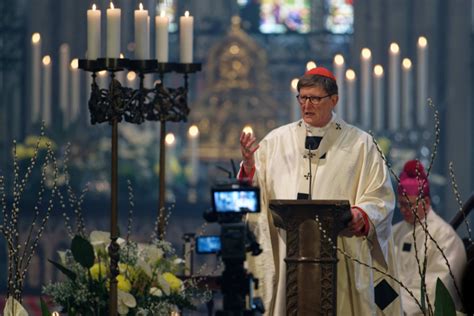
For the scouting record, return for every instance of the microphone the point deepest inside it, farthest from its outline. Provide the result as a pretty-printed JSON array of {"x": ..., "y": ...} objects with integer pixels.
[{"x": 311, "y": 143}]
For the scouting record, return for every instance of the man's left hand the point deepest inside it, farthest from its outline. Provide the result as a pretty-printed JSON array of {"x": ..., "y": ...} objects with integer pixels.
[{"x": 356, "y": 226}]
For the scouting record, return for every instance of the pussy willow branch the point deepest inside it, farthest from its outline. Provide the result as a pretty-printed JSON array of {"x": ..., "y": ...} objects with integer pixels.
[
  {"x": 131, "y": 205},
  {"x": 74, "y": 202},
  {"x": 457, "y": 195},
  {"x": 417, "y": 219},
  {"x": 29, "y": 252},
  {"x": 39, "y": 201},
  {"x": 350, "y": 257}
]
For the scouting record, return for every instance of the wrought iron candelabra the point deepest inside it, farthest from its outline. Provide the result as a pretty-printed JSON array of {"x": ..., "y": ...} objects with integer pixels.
[{"x": 118, "y": 103}]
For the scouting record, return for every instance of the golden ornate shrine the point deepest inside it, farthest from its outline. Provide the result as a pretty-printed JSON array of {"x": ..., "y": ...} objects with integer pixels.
[{"x": 238, "y": 94}]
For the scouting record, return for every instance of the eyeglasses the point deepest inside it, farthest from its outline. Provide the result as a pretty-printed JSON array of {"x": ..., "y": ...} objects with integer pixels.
[{"x": 312, "y": 99}]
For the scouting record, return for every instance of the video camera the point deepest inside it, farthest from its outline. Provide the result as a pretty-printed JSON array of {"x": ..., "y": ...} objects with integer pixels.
[{"x": 230, "y": 202}]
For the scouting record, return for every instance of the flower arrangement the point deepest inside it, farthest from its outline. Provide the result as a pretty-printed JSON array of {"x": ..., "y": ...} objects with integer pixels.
[{"x": 147, "y": 284}]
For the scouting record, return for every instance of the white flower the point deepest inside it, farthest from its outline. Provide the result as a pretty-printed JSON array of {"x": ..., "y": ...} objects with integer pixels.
[
  {"x": 178, "y": 261},
  {"x": 100, "y": 240},
  {"x": 150, "y": 253},
  {"x": 156, "y": 292},
  {"x": 62, "y": 256},
  {"x": 14, "y": 308},
  {"x": 125, "y": 301},
  {"x": 145, "y": 267}
]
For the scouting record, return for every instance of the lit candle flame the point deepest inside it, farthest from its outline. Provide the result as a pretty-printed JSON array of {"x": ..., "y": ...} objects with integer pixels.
[
  {"x": 35, "y": 38},
  {"x": 378, "y": 70},
  {"x": 193, "y": 131},
  {"x": 131, "y": 76},
  {"x": 170, "y": 139},
  {"x": 94, "y": 7},
  {"x": 350, "y": 74},
  {"x": 394, "y": 48},
  {"x": 422, "y": 41},
  {"x": 248, "y": 129},
  {"x": 141, "y": 6},
  {"x": 46, "y": 60},
  {"x": 75, "y": 63},
  {"x": 186, "y": 14},
  {"x": 406, "y": 63},
  {"x": 310, "y": 65},
  {"x": 339, "y": 59},
  {"x": 366, "y": 53},
  {"x": 112, "y": 5},
  {"x": 294, "y": 83},
  {"x": 162, "y": 13}
]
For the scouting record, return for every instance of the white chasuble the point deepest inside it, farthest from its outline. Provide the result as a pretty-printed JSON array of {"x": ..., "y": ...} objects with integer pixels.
[
  {"x": 405, "y": 249},
  {"x": 347, "y": 166}
]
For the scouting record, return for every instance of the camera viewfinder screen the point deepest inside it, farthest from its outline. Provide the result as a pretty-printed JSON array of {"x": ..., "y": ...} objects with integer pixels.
[
  {"x": 208, "y": 244},
  {"x": 243, "y": 201}
]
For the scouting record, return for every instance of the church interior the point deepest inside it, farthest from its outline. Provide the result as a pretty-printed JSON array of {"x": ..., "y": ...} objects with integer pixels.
[{"x": 73, "y": 163}]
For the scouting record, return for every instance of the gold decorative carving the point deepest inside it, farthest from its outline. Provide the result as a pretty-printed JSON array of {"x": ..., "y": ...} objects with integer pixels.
[{"x": 237, "y": 93}]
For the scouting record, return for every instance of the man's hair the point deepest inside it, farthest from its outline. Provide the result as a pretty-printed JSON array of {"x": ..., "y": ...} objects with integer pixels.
[{"x": 307, "y": 81}]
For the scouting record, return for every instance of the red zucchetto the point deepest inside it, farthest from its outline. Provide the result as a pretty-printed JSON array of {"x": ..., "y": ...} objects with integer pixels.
[
  {"x": 413, "y": 179},
  {"x": 320, "y": 71}
]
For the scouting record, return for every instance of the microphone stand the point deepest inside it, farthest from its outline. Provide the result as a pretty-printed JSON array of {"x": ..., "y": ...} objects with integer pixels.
[{"x": 310, "y": 175}]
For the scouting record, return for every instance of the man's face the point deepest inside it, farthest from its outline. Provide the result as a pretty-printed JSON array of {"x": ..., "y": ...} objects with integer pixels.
[
  {"x": 407, "y": 211},
  {"x": 317, "y": 114}
]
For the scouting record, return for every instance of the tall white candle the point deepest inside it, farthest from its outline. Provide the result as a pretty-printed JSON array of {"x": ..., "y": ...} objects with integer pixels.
[
  {"x": 394, "y": 87},
  {"x": 407, "y": 84},
  {"x": 113, "y": 32},
  {"x": 35, "y": 76},
  {"x": 141, "y": 32},
  {"x": 366, "y": 95},
  {"x": 170, "y": 142},
  {"x": 161, "y": 37},
  {"x": 339, "y": 69},
  {"x": 102, "y": 79},
  {"x": 379, "y": 114},
  {"x": 46, "y": 115},
  {"x": 193, "y": 136},
  {"x": 147, "y": 37},
  {"x": 64, "y": 91},
  {"x": 295, "y": 105},
  {"x": 93, "y": 33},
  {"x": 120, "y": 75},
  {"x": 75, "y": 89},
  {"x": 422, "y": 81},
  {"x": 186, "y": 38},
  {"x": 351, "y": 95},
  {"x": 132, "y": 80}
]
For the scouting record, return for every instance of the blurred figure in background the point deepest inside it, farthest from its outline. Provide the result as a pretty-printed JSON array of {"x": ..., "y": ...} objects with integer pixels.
[{"x": 414, "y": 197}]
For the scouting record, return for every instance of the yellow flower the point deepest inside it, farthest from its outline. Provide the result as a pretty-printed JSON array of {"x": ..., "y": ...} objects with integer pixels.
[
  {"x": 98, "y": 270},
  {"x": 173, "y": 281},
  {"x": 130, "y": 272},
  {"x": 123, "y": 283}
]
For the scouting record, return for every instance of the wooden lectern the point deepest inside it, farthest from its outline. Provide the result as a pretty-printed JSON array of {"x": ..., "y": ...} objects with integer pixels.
[{"x": 311, "y": 260}]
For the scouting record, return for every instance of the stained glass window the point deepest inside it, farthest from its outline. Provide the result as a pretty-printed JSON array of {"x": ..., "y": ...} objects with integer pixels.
[{"x": 340, "y": 16}]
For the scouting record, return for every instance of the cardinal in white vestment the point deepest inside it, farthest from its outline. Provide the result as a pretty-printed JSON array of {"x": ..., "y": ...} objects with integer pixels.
[
  {"x": 414, "y": 196},
  {"x": 346, "y": 165}
]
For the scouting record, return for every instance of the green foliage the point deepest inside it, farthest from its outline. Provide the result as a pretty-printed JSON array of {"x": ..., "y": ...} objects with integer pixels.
[
  {"x": 70, "y": 274},
  {"x": 44, "y": 308},
  {"x": 82, "y": 251},
  {"x": 444, "y": 305}
]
